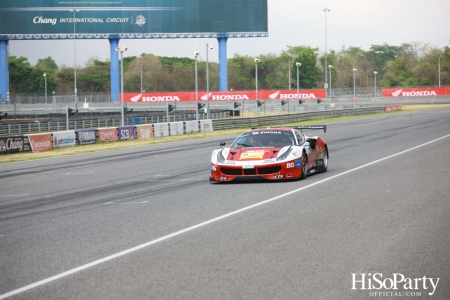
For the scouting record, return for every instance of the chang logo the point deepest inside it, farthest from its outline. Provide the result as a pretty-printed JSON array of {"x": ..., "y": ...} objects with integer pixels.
[{"x": 140, "y": 20}]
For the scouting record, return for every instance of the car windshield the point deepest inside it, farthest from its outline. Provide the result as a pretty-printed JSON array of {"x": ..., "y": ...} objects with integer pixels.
[{"x": 258, "y": 139}]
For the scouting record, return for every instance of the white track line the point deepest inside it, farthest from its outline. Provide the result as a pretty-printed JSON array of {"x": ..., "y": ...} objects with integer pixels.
[{"x": 125, "y": 252}]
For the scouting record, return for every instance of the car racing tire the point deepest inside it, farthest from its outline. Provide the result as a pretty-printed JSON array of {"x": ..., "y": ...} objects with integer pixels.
[
  {"x": 325, "y": 159},
  {"x": 304, "y": 166}
]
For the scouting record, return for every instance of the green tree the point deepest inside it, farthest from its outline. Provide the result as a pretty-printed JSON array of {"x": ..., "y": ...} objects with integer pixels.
[
  {"x": 383, "y": 54},
  {"x": 309, "y": 73},
  {"x": 399, "y": 74},
  {"x": 23, "y": 78},
  {"x": 241, "y": 72},
  {"x": 94, "y": 78},
  {"x": 47, "y": 64}
]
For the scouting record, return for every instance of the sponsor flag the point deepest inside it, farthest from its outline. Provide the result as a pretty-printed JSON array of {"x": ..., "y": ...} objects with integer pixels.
[
  {"x": 63, "y": 139},
  {"x": 40, "y": 142},
  {"x": 176, "y": 128},
  {"x": 144, "y": 131},
  {"x": 126, "y": 133},
  {"x": 206, "y": 125},
  {"x": 191, "y": 126},
  {"x": 11, "y": 144},
  {"x": 161, "y": 129},
  {"x": 86, "y": 136},
  {"x": 107, "y": 134}
]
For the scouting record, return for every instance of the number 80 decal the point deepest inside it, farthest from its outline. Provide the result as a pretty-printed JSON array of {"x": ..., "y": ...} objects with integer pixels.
[{"x": 290, "y": 165}]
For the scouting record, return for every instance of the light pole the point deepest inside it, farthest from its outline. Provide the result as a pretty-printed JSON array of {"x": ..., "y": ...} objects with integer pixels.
[
  {"x": 75, "y": 66},
  {"x": 45, "y": 77},
  {"x": 326, "y": 84},
  {"x": 196, "y": 54},
  {"x": 354, "y": 87},
  {"x": 439, "y": 70},
  {"x": 53, "y": 101},
  {"x": 330, "y": 67},
  {"x": 121, "y": 50},
  {"x": 208, "y": 46},
  {"x": 75, "y": 55},
  {"x": 289, "y": 75},
  {"x": 141, "y": 80},
  {"x": 257, "y": 60},
  {"x": 375, "y": 82},
  {"x": 298, "y": 82}
]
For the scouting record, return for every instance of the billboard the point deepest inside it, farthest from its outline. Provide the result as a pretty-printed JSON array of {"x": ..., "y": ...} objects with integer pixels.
[
  {"x": 54, "y": 19},
  {"x": 224, "y": 96},
  {"x": 415, "y": 92}
]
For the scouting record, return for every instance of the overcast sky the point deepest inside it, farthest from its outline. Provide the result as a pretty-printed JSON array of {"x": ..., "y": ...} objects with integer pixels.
[{"x": 351, "y": 23}]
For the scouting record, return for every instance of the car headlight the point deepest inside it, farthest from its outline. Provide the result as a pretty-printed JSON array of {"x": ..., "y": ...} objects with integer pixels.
[
  {"x": 220, "y": 157},
  {"x": 285, "y": 154}
]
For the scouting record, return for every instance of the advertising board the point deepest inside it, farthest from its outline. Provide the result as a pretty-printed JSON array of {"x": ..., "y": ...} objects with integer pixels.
[
  {"x": 50, "y": 19},
  {"x": 415, "y": 92},
  {"x": 225, "y": 96},
  {"x": 11, "y": 144}
]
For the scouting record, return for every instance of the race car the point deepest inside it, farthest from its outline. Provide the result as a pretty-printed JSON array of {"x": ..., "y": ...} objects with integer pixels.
[{"x": 271, "y": 153}]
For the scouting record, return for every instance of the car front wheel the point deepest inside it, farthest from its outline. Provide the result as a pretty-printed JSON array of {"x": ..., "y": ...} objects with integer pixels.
[
  {"x": 304, "y": 167},
  {"x": 325, "y": 159}
]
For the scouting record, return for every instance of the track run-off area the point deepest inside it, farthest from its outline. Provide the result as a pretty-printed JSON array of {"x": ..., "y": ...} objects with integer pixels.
[{"x": 145, "y": 223}]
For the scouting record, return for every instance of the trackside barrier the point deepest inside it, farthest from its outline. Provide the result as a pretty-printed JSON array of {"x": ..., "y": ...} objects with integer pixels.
[
  {"x": 144, "y": 131},
  {"x": 161, "y": 129},
  {"x": 240, "y": 122},
  {"x": 18, "y": 143},
  {"x": 19, "y": 128},
  {"x": 393, "y": 107},
  {"x": 206, "y": 125}
]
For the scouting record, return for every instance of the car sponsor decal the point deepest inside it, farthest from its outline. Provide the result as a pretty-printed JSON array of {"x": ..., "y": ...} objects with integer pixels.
[
  {"x": 298, "y": 164},
  {"x": 259, "y": 154},
  {"x": 248, "y": 167},
  {"x": 278, "y": 176},
  {"x": 268, "y": 161},
  {"x": 270, "y": 132}
]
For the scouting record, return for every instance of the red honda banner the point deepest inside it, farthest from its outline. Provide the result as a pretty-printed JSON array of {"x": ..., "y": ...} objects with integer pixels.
[
  {"x": 225, "y": 96},
  {"x": 416, "y": 92}
]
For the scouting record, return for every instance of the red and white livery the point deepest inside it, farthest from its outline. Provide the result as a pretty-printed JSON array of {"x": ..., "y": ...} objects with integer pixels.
[{"x": 271, "y": 153}]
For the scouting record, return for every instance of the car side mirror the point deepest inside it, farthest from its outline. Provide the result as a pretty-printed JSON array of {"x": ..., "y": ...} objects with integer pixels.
[{"x": 222, "y": 144}]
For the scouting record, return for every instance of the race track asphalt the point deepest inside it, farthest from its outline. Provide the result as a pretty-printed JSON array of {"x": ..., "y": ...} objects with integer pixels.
[{"x": 145, "y": 223}]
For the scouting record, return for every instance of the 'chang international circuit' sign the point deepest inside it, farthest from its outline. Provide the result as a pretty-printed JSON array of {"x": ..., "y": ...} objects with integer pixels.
[{"x": 53, "y": 19}]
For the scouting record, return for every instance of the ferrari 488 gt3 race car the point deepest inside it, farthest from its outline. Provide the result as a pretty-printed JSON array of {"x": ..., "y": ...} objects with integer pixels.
[{"x": 271, "y": 153}]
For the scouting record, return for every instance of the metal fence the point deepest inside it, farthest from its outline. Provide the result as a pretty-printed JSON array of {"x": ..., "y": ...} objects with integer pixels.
[
  {"x": 54, "y": 99},
  {"x": 58, "y": 99},
  {"x": 220, "y": 120}
]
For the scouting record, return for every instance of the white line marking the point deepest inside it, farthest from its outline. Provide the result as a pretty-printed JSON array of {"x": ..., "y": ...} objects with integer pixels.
[
  {"x": 163, "y": 238},
  {"x": 79, "y": 173},
  {"x": 14, "y": 195},
  {"x": 126, "y": 202}
]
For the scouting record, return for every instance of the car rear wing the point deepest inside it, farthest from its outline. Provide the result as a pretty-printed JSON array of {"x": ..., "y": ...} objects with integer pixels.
[{"x": 324, "y": 127}]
